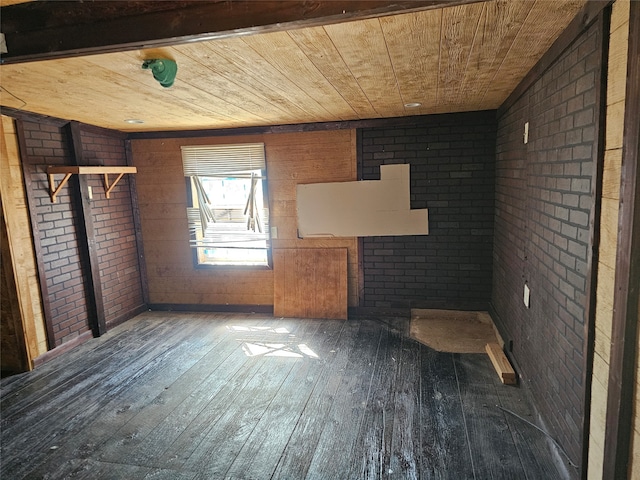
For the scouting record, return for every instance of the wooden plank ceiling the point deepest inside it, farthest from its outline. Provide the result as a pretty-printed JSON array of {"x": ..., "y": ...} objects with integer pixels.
[{"x": 459, "y": 58}]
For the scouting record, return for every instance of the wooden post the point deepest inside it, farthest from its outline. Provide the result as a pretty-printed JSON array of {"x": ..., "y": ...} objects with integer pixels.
[
  {"x": 622, "y": 375},
  {"x": 86, "y": 238}
]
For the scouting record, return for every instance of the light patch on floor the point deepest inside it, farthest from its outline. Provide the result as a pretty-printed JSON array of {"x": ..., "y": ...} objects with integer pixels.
[{"x": 452, "y": 330}]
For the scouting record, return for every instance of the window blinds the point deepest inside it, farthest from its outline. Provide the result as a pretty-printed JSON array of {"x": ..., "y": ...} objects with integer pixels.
[{"x": 222, "y": 159}]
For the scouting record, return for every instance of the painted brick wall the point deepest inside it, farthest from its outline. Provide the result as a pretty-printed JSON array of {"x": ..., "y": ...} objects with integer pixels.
[
  {"x": 452, "y": 174},
  {"x": 114, "y": 230},
  {"x": 543, "y": 205},
  {"x": 58, "y": 224},
  {"x": 66, "y": 266}
]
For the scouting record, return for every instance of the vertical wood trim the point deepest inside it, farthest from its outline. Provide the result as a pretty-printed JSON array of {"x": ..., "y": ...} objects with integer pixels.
[
  {"x": 603, "y": 23},
  {"x": 133, "y": 192},
  {"x": 360, "y": 240},
  {"x": 86, "y": 237},
  {"x": 619, "y": 420},
  {"x": 35, "y": 229},
  {"x": 23, "y": 363}
]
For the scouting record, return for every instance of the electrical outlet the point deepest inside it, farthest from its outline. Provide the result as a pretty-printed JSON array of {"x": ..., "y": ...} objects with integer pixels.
[
  {"x": 274, "y": 232},
  {"x": 526, "y": 132},
  {"x": 527, "y": 295}
]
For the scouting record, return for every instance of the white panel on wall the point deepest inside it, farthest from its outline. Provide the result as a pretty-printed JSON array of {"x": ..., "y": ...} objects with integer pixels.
[{"x": 361, "y": 209}]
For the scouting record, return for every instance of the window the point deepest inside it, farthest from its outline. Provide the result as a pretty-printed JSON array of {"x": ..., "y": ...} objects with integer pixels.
[{"x": 227, "y": 209}]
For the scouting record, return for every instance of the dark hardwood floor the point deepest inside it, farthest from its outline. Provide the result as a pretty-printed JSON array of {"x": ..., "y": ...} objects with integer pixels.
[{"x": 213, "y": 396}]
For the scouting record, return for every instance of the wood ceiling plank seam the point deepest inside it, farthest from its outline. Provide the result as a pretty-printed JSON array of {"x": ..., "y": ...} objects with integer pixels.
[
  {"x": 519, "y": 59},
  {"x": 483, "y": 13},
  {"x": 253, "y": 99},
  {"x": 266, "y": 74},
  {"x": 424, "y": 56},
  {"x": 519, "y": 13},
  {"x": 439, "y": 60},
  {"x": 129, "y": 69},
  {"x": 58, "y": 71},
  {"x": 509, "y": 50},
  {"x": 303, "y": 72},
  {"x": 288, "y": 109},
  {"x": 353, "y": 75},
  {"x": 337, "y": 91},
  {"x": 457, "y": 23},
  {"x": 395, "y": 74},
  {"x": 207, "y": 86},
  {"x": 314, "y": 109},
  {"x": 374, "y": 74},
  {"x": 509, "y": 15},
  {"x": 326, "y": 57},
  {"x": 58, "y": 98}
]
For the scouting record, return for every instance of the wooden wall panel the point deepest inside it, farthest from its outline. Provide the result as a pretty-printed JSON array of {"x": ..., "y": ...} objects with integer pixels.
[
  {"x": 608, "y": 232},
  {"x": 292, "y": 158},
  {"x": 310, "y": 283},
  {"x": 16, "y": 214}
]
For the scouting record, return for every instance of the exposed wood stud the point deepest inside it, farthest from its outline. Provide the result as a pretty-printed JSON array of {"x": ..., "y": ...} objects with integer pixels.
[
  {"x": 35, "y": 228},
  {"x": 622, "y": 373},
  {"x": 133, "y": 192},
  {"x": 86, "y": 235},
  {"x": 603, "y": 21}
]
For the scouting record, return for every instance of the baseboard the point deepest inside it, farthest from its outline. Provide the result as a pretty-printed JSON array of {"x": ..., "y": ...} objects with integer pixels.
[
  {"x": 127, "y": 316},
  {"x": 189, "y": 307},
  {"x": 59, "y": 350}
]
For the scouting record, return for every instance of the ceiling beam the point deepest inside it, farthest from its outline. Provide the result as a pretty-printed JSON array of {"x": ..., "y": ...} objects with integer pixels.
[{"x": 46, "y": 30}]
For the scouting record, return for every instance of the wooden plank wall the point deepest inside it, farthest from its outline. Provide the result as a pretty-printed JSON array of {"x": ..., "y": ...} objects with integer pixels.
[
  {"x": 617, "y": 69},
  {"x": 16, "y": 215},
  {"x": 310, "y": 283},
  {"x": 292, "y": 158}
]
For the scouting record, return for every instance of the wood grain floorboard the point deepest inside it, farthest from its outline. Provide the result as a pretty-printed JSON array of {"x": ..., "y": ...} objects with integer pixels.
[
  {"x": 443, "y": 438},
  {"x": 375, "y": 436},
  {"x": 343, "y": 421},
  {"x": 534, "y": 447},
  {"x": 213, "y": 459},
  {"x": 493, "y": 450},
  {"x": 109, "y": 403},
  {"x": 296, "y": 457},
  {"x": 199, "y": 396},
  {"x": 405, "y": 446},
  {"x": 259, "y": 457}
]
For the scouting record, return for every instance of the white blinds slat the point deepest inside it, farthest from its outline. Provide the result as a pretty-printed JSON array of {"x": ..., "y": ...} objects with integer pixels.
[{"x": 222, "y": 159}]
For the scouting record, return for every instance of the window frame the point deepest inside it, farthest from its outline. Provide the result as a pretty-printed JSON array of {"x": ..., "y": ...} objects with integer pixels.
[{"x": 267, "y": 205}]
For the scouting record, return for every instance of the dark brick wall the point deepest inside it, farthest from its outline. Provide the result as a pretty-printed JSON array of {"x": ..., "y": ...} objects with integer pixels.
[
  {"x": 114, "y": 230},
  {"x": 543, "y": 206},
  {"x": 452, "y": 174},
  {"x": 58, "y": 225},
  {"x": 65, "y": 262}
]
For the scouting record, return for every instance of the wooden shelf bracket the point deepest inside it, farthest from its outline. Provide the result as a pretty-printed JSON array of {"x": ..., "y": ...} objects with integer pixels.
[{"x": 67, "y": 171}]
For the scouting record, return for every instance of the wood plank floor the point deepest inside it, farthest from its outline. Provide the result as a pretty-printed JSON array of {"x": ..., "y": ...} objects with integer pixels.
[{"x": 231, "y": 396}]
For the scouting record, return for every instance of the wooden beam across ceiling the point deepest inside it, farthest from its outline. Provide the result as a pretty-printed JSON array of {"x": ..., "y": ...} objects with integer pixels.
[{"x": 46, "y": 30}]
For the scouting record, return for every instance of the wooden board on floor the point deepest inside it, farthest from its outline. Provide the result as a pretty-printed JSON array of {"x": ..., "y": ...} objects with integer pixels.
[
  {"x": 452, "y": 330},
  {"x": 310, "y": 283}
]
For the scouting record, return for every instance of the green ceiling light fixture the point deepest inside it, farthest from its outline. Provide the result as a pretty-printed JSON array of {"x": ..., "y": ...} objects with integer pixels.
[{"x": 164, "y": 70}]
